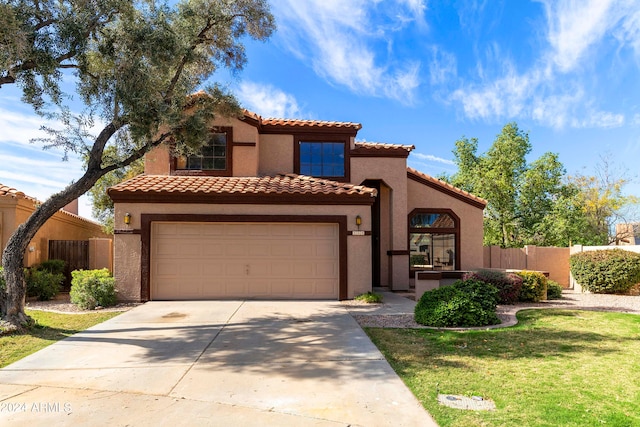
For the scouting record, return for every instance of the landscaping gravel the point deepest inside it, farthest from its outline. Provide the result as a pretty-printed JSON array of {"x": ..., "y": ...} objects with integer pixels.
[{"x": 507, "y": 313}]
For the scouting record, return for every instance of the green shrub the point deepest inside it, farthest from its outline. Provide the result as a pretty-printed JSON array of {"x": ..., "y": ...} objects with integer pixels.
[
  {"x": 464, "y": 303},
  {"x": 3, "y": 284},
  {"x": 554, "y": 290},
  {"x": 55, "y": 266},
  {"x": 607, "y": 271},
  {"x": 508, "y": 284},
  {"x": 534, "y": 286},
  {"x": 92, "y": 288},
  {"x": 43, "y": 284},
  {"x": 369, "y": 298}
]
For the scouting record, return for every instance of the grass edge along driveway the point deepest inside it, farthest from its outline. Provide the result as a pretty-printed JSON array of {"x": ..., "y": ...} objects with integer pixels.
[
  {"x": 555, "y": 368},
  {"x": 49, "y": 328}
]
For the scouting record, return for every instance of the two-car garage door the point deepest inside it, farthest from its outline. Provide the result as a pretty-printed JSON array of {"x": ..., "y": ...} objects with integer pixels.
[{"x": 209, "y": 260}]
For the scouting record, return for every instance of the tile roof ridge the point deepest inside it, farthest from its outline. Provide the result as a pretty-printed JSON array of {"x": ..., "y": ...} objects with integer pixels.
[{"x": 383, "y": 145}]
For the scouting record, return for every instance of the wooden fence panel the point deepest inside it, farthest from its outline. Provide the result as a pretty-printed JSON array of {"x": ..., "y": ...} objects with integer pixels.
[{"x": 74, "y": 252}]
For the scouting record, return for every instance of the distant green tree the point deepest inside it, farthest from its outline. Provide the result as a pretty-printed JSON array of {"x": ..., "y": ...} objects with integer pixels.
[{"x": 521, "y": 197}]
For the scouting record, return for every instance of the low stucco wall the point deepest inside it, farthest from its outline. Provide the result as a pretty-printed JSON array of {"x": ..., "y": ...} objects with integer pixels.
[
  {"x": 554, "y": 260},
  {"x": 61, "y": 226},
  {"x": 127, "y": 247}
]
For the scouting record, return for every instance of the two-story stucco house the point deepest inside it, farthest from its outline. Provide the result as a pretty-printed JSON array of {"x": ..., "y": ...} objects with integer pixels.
[{"x": 280, "y": 208}]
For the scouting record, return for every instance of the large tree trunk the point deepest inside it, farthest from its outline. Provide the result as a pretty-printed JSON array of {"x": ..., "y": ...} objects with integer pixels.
[{"x": 13, "y": 255}]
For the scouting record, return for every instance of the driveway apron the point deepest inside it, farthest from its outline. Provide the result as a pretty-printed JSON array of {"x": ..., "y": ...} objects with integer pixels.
[{"x": 262, "y": 363}]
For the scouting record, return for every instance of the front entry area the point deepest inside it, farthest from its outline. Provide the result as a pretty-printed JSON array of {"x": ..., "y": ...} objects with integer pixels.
[{"x": 225, "y": 260}]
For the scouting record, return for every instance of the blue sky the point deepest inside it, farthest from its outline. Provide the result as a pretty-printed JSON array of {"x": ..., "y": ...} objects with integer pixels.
[{"x": 424, "y": 73}]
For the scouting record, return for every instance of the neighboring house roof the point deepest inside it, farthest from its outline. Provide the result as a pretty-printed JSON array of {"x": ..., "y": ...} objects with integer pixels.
[
  {"x": 378, "y": 149},
  {"x": 6, "y": 191},
  {"x": 289, "y": 188},
  {"x": 445, "y": 187}
]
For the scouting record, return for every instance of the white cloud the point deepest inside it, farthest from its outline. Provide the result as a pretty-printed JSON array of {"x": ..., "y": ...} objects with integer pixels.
[
  {"x": 268, "y": 101},
  {"x": 442, "y": 67},
  {"x": 339, "y": 39},
  {"x": 432, "y": 158},
  {"x": 574, "y": 26},
  {"x": 553, "y": 89}
]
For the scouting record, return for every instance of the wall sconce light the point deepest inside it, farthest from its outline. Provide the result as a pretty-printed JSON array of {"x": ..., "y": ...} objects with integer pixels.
[
  {"x": 127, "y": 218},
  {"x": 358, "y": 221}
]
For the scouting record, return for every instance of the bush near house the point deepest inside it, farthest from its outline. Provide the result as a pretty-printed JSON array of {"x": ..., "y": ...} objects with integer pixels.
[
  {"x": 534, "y": 286},
  {"x": 55, "y": 266},
  {"x": 92, "y": 288},
  {"x": 464, "y": 303},
  {"x": 554, "y": 290},
  {"x": 606, "y": 272},
  {"x": 42, "y": 284},
  {"x": 508, "y": 284}
]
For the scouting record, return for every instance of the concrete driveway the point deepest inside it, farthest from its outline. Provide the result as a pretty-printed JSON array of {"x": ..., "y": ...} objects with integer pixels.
[{"x": 220, "y": 363}]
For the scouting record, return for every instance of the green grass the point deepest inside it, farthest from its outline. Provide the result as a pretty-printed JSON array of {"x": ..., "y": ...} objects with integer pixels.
[
  {"x": 556, "y": 368},
  {"x": 370, "y": 297},
  {"x": 49, "y": 328}
]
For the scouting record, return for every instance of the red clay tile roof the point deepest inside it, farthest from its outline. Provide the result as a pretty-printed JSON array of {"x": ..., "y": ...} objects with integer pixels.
[
  {"x": 12, "y": 192},
  {"x": 445, "y": 187},
  {"x": 276, "y": 123},
  {"x": 289, "y": 188},
  {"x": 6, "y": 191},
  {"x": 384, "y": 146}
]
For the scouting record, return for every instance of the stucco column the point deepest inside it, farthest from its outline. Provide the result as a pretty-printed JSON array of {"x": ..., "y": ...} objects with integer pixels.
[{"x": 399, "y": 239}]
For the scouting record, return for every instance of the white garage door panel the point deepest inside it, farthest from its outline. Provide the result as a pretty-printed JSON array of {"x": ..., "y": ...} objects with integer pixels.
[{"x": 234, "y": 260}]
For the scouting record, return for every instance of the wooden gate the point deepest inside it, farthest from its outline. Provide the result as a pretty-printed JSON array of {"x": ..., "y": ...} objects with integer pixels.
[{"x": 75, "y": 253}]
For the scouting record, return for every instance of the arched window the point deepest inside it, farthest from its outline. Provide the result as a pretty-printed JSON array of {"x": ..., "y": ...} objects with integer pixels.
[{"x": 434, "y": 240}]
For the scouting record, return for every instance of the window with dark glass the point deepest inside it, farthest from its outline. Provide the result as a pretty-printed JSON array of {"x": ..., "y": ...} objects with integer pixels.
[
  {"x": 433, "y": 238},
  {"x": 212, "y": 157},
  {"x": 322, "y": 159}
]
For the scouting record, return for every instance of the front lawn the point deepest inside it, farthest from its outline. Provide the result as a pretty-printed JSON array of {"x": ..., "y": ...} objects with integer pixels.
[
  {"x": 49, "y": 328},
  {"x": 556, "y": 368}
]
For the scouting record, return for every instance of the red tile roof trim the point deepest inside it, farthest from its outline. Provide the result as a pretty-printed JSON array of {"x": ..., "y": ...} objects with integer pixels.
[
  {"x": 6, "y": 191},
  {"x": 446, "y": 188},
  {"x": 378, "y": 149},
  {"x": 289, "y": 188}
]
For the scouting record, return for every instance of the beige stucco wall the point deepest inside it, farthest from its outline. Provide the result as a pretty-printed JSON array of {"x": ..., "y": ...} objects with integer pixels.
[
  {"x": 276, "y": 154},
  {"x": 62, "y": 226},
  {"x": 127, "y": 247},
  {"x": 393, "y": 172},
  {"x": 471, "y": 228}
]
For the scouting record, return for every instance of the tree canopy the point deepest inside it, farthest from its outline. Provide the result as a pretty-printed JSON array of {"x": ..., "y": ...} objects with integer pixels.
[
  {"x": 134, "y": 64},
  {"x": 537, "y": 203}
]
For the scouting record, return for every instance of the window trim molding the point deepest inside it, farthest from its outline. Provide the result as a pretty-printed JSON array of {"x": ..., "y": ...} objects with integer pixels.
[
  {"x": 298, "y": 138},
  {"x": 204, "y": 172},
  {"x": 436, "y": 230}
]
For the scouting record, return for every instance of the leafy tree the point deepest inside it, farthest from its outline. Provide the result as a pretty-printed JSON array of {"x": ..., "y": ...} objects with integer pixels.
[
  {"x": 102, "y": 205},
  {"x": 135, "y": 63},
  {"x": 521, "y": 197},
  {"x": 603, "y": 202}
]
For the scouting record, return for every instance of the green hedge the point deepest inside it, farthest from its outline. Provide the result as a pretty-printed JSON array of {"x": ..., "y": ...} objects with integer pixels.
[
  {"x": 606, "y": 271},
  {"x": 464, "y": 303},
  {"x": 534, "y": 286},
  {"x": 554, "y": 290},
  {"x": 43, "y": 284},
  {"x": 92, "y": 288},
  {"x": 55, "y": 266},
  {"x": 508, "y": 284}
]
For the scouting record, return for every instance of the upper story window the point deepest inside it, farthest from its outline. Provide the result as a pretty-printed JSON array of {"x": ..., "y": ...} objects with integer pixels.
[
  {"x": 322, "y": 159},
  {"x": 214, "y": 157}
]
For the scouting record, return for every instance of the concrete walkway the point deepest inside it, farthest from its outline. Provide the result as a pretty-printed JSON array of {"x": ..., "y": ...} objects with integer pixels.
[{"x": 218, "y": 363}]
